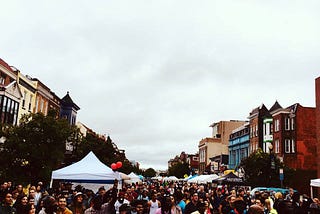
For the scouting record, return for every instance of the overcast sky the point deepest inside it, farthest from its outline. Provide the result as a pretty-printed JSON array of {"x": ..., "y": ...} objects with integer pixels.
[{"x": 155, "y": 74}]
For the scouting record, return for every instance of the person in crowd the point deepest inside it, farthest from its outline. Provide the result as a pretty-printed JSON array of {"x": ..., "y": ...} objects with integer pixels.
[
  {"x": 193, "y": 205},
  {"x": 125, "y": 209},
  {"x": 6, "y": 206},
  {"x": 226, "y": 205},
  {"x": 49, "y": 205},
  {"x": 21, "y": 205},
  {"x": 290, "y": 195},
  {"x": 31, "y": 209},
  {"x": 314, "y": 206},
  {"x": 62, "y": 206},
  {"x": 99, "y": 207},
  {"x": 256, "y": 209},
  {"x": 180, "y": 202},
  {"x": 121, "y": 200},
  {"x": 207, "y": 209},
  {"x": 216, "y": 199},
  {"x": 278, "y": 197},
  {"x": 168, "y": 206},
  {"x": 15, "y": 195},
  {"x": 202, "y": 193},
  {"x": 153, "y": 204},
  {"x": 19, "y": 188},
  {"x": 38, "y": 194},
  {"x": 89, "y": 196},
  {"x": 268, "y": 207},
  {"x": 77, "y": 206},
  {"x": 31, "y": 200},
  {"x": 238, "y": 206},
  {"x": 143, "y": 195}
]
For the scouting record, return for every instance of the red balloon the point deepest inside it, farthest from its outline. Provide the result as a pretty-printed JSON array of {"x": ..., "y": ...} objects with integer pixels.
[
  {"x": 113, "y": 166},
  {"x": 119, "y": 164}
]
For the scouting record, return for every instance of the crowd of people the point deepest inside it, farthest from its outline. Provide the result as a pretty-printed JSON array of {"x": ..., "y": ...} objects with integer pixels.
[{"x": 151, "y": 197}]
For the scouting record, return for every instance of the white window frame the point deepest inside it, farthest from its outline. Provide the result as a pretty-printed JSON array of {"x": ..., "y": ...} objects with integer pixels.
[
  {"x": 287, "y": 145},
  {"x": 287, "y": 123},
  {"x": 277, "y": 146},
  {"x": 292, "y": 123},
  {"x": 293, "y": 146},
  {"x": 276, "y": 128}
]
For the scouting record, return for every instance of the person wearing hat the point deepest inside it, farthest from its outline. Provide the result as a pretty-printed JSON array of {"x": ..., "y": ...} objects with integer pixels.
[{"x": 77, "y": 206}]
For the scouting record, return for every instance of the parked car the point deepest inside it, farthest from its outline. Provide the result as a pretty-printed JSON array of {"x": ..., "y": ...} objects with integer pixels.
[{"x": 284, "y": 191}]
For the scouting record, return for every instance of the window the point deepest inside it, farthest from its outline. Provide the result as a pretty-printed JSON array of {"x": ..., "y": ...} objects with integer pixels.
[
  {"x": 277, "y": 146},
  {"x": 293, "y": 146},
  {"x": 37, "y": 104},
  {"x": 24, "y": 99},
  {"x": 30, "y": 101},
  {"x": 292, "y": 123},
  {"x": 287, "y": 145},
  {"x": 287, "y": 123},
  {"x": 256, "y": 131},
  {"x": 276, "y": 124},
  {"x": 41, "y": 105}
]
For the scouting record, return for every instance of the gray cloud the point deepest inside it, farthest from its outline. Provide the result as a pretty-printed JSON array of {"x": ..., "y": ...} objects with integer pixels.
[{"x": 155, "y": 74}]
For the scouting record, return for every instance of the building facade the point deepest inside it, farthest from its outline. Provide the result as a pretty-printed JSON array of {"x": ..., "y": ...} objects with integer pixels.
[
  {"x": 68, "y": 109},
  {"x": 10, "y": 94},
  {"x": 239, "y": 145},
  {"x": 43, "y": 97},
  {"x": 28, "y": 89},
  {"x": 256, "y": 118},
  {"x": 294, "y": 137}
]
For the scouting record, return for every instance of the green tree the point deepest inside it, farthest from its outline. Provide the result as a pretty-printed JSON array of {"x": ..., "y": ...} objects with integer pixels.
[
  {"x": 150, "y": 172},
  {"x": 179, "y": 170},
  {"x": 34, "y": 148},
  {"x": 258, "y": 170}
]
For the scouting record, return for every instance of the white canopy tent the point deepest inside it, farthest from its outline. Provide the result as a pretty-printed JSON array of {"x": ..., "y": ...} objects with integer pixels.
[
  {"x": 89, "y": 172},
  {"x": 170, "y": 178},
  {"x": 133, "y": 178},
  {"x": 203, "y": 179},
  {"x": 314, "y": 183}
]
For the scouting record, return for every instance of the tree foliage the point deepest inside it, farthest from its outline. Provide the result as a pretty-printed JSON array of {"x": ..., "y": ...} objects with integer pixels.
[
  {"x": 34, "y": 148},
  {"x": 150, "y": 172},
  {"x": 179, "y": 170},
  {"x": 258, "y": 170}
]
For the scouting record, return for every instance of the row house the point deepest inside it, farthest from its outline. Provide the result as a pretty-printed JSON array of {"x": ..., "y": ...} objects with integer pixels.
[
  {"x": 28, "y": 89},
  {"x": 217, "y": 144},
  {"x": 10, "y": 94},
  {"x": 256, "y": 118},
  {"x": 289, "y": 133},
  {"x": 69, "y": 109},
  {"x": 294, "y": 136},
  {"x": 20, "y": 95},
  {"x": 239, "y": 145},
  {"x": 43, "y": 97}
]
